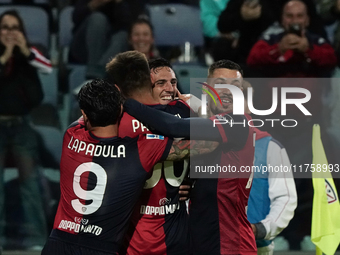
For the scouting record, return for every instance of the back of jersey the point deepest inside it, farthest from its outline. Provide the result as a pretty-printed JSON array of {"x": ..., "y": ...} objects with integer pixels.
[
  {"x": 218, "y": 220},
  {"x": 160, "y": 224},
  {"x": 101, "y": 180}
]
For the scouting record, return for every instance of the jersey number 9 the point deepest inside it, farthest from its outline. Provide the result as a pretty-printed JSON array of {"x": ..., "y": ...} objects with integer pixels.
[{"x": 96, "y": 194}]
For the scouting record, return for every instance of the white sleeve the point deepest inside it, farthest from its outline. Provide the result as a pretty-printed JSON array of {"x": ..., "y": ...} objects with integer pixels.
[
  {"x": 282, "y": 191},
  {"x": 40, "y": 62},
  {"x": 194, "y": 103}
]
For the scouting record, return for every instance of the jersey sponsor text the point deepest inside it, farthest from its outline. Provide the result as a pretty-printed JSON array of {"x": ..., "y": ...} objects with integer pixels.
[
  {"x": 159, "y": 210},
  {"x": 76, "y": 227}
]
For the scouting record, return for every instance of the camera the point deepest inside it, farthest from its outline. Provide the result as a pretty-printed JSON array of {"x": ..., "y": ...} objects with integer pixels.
[{"x": 295, "y": 29}]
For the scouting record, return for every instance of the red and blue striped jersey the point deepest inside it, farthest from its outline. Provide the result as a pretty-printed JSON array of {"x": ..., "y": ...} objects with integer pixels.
[
  {"x": 101, "y": 180},
  {"x": 160, "y": 223}
]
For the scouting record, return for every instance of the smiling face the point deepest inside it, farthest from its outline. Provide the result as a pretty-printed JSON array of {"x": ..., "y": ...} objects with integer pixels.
[
  {"x": 295, "y": 12},
  {"x": 223, "y": 76},
  {"x": 141, "y": 38},
  {"x": 8, "y": 29},
  {"x": 164, "y": 84}
]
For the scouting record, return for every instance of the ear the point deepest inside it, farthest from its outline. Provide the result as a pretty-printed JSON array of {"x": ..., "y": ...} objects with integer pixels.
[
  {"x": 121, "y": 110},
  {"x": 152, "y": 76},
  {"x": 84, "y": 115}
]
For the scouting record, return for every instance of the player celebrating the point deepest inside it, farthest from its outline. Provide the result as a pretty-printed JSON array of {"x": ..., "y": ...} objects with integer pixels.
[
  {"x": 218, "y": 218},
  {"x": 102, "y": 175},
  {"x": 160, "y": 224}
]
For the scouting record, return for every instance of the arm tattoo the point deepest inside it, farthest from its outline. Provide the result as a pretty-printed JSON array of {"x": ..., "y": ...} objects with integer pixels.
[{"x": 185, "y": 148}]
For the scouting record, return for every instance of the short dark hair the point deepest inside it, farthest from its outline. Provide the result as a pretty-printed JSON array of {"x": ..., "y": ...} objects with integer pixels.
[
  {"x": 159, "y": 62},
  {"x": 307, "y": 7},
  {"x": 101, "y": 102},
  {"x": 228, "y": 64},
  {"x": 15, "y": 14},
  {"x": 130, "y": 72}
]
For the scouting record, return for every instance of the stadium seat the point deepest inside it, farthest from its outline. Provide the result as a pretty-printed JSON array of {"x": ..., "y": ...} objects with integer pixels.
[
  {"x": 47, "y": 112},
  {"x": 176, "y": 24},
  {"x": 76, "y": 78},
  {"x": 52, "y": 139},
  {"x": 41, "y": 1},
  {"x": 65, "y": 32},
  {"x": 36, "y": 23},
  {"x": 197, "y": 73},
  {"x": 49, "y": 83},
  {"x": 330, "y": 29}
]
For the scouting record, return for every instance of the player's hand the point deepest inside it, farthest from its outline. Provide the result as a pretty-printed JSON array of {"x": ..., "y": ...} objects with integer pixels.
[
  {"x": 184, "y": 192},
  {"x": 250, "y": 10},
  {"x": 179, "y": 95},
  {"x": 254, "y": 229}
]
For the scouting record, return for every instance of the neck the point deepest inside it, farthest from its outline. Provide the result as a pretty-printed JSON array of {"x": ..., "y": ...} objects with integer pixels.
[
  {"x": 144, "y": 97},
  {"x": 105, "y": 132}
]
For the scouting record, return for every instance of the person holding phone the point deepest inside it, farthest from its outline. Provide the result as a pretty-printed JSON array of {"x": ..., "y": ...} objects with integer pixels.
[{"x": 295, "y": 45}]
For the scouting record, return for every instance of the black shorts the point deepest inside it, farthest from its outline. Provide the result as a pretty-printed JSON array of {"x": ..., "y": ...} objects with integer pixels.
[{"x": 58, "y": 247}]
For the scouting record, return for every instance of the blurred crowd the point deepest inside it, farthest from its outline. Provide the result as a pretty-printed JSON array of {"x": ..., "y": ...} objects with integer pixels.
[{"x": 278, "y": 43}]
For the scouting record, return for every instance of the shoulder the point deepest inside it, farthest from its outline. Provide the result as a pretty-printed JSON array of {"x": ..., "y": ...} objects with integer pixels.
[
  {"x": 179, "y": 103},
  {"x": 178, "y": 107},
  {"x": 272, "y": 38},
  {"x": 275, "y": 143},
  {"x": 316, "y": 39}
]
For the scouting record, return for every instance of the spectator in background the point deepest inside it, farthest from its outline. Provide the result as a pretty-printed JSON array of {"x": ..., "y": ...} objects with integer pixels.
[
  {"x": 141, "y": 38},
  {"x": 240, "y": 25},
  {"x": 100, "y": 32},
  {"x": 243, "y": 21},
  {"x": 295, "y": 53},
  {"x": 20, "y": 91},
  {"x": 330, "y": 12},
  {"x": 210, "y": 12}
]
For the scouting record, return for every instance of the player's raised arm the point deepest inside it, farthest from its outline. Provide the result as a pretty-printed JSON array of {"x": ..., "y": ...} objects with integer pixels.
[
  {"x": 192, "y": 128},
  {"x": 185, "y": 148}
]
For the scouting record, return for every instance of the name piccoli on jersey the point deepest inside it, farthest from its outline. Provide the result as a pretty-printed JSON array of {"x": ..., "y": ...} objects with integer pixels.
[{"x": 96, "y": 150}]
